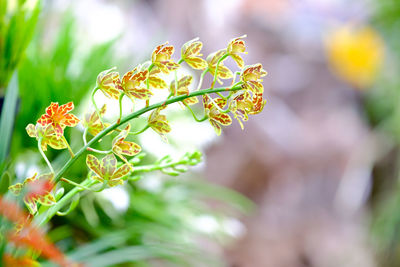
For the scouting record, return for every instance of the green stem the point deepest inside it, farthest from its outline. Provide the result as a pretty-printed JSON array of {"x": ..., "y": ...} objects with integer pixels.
[
  {"x": 120, "y": 105},
  {"x": 141, "y": 131},
  {"x": 217, "y": 107},
  {"x": 216, "y": 68},
  {"x": 64, "y": 201},
  {"x": 69, "y": 148},
  {"x": 201, "y": 79},
  {"x": 154, "y": 167},
  {"x": 75, "y": 184},
  {"x": 147, "y": 81},
  {"x": 194, "y": 116},
  {"x": 94, "y": 103},
  {"x": 44, "y": 155},
  {"x": 98, "y": 151},
  {"x": 84, "y": 136}
]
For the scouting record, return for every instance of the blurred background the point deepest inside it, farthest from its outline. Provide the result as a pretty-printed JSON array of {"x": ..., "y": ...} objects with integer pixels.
[{"x": 312, "y": 181}]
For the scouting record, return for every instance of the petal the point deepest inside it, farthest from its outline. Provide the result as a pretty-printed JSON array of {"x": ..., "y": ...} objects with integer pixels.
[
  {"x": 58, "y": 129},
  {"x": 16, "y": 188},
  {"x": 157, "y": 83},
  {"x": 30, "y": 129},
  {"x": 55, "y": 142},
  {"x": 121, "y": 172},
  {"x": 70, "y": 120},
  {"x": 94, "y": 164},
  {"x": 191, "y": 100},
  {"x": 238, "y": 59},
  {"x": 31, "y": 205},
  {"x": 224, "y": 72},
  {"x": 191, "y": 48},
  {"x": 196, "y": 63},
  {"x": 140, "y": 93},
  {"x": 52, "y": 109},
  {"x": 160, "y": 124},
  {"x": 108, "y": 165},
  {"x": 64, "y": 109},
  {"x": 46, "y": 200},
  {"x": 127, "y": 148},
  {"x": 216, "y": 127},
  {"x": 222, "y": 118},
  {"x": 44, "y": 120},
  {"x": 213, "y": 58}
]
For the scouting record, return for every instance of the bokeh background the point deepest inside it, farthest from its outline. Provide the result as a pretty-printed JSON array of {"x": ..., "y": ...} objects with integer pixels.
[{"x": 312, "y": 181}]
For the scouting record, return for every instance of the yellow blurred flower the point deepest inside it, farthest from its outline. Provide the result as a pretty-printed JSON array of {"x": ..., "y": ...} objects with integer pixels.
[{"x": 355, "y": 54}]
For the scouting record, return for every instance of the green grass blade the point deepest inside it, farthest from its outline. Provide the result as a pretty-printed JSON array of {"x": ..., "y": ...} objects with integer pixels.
[{"x": 7, "y": 117}]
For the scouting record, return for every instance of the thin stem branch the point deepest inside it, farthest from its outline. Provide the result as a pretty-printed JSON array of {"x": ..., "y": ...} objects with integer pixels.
[
  {"x": 44, "y": 155},
  {"x": 120, "y": 105},
  {"x": 216, "y": 68},
  {"x": 94, "y": 102},
  {"x": 98, "y": 151},
  {"x": 141, "y": 131},
  {"x": 84, "y": 136},
  {"x": 201, "y": 78},
  {"x": 148, "y": 82},
  {"x": 194, "y": 115},
  {"x": 69, "y": 148}
]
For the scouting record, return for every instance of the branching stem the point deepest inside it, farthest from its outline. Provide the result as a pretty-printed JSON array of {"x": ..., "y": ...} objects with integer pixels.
[{"x": 44, "y": 155}]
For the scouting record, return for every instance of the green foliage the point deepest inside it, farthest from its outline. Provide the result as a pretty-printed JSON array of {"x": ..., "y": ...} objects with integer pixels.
[
  {"x": 55, "y": 71},
  {"x": 17, "y": 23}
]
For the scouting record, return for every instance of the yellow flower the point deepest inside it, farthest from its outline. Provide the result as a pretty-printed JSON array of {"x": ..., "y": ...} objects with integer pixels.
[{"x": 355, "y": 54}]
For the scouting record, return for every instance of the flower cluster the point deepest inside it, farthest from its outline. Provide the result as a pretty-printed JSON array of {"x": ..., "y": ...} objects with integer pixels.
[{"x": 240, "y": 99}]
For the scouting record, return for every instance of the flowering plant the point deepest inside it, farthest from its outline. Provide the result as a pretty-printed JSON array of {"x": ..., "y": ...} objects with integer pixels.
[{"x": 241, "y": 98}]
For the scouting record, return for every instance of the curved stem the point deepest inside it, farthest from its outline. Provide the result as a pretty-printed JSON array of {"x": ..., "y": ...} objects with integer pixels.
[
  {"x": 201, "y": 79},
  {"x": 75, "y": 184},
  {"x": 94, "y": 103},
  {"x": 194, "y": 116},
  {"x": 69, "y": 148},
  {"x": 84, "y": 136},
  {"x": 221, "y": 95},
  {"x": 147, "y": 81},
  {"x": 64, "y": 201},
  {"x": 217, "y": 107},
  {"x": 216, "y": 68},
  {"x": 120, "y": 105},
  {"x": 142, "y": 130},
  {"x": 98, "y": 151},
  {"x": 44, "y": 155},
  {"x": 72, "y": 206}
]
